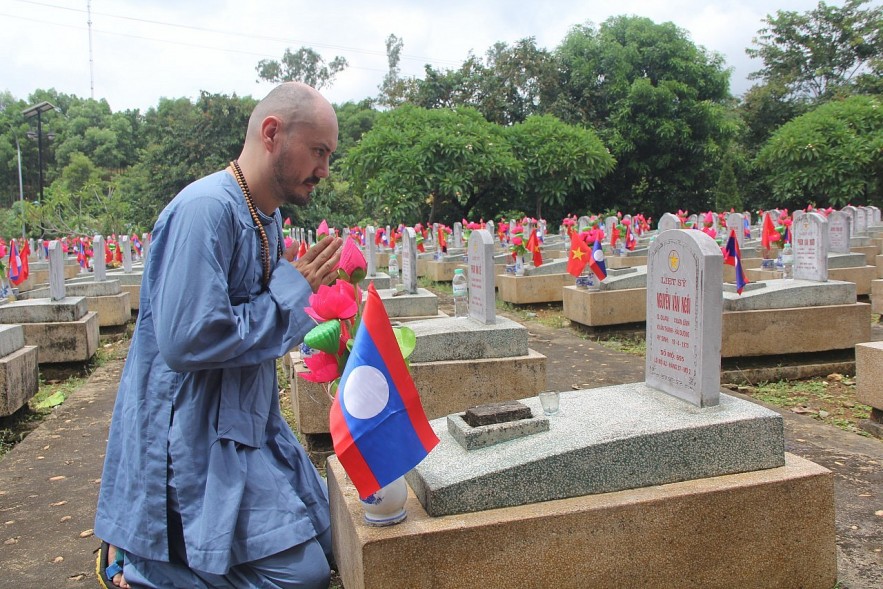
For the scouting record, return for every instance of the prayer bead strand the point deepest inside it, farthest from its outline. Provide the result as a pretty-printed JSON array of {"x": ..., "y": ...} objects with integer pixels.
[{"x": 265, "y": 242}]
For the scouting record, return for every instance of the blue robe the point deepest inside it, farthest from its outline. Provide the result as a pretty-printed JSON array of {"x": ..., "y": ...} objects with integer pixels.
[{"x": 199, "y": 391}]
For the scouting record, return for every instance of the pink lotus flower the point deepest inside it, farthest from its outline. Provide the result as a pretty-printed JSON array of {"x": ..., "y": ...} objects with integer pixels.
[
  {"x": 323, "y": 367},
  {"x": 352, "y": 266},
  {"x": 337, "y": 301},
  {"x": 322, "y": 229}
]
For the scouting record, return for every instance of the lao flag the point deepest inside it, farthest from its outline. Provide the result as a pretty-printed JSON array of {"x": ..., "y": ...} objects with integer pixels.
[
  {"x": 15, "y": 274},
  {"x": 596, "y": 261},
  {"x": 378, "y": 425},
  {"x": 733, "y": 257}
]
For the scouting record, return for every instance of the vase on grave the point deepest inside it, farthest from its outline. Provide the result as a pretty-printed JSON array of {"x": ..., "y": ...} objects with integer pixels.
[
  {"x": 386, "y": 506},
  {"x": 519, "y": 265}
]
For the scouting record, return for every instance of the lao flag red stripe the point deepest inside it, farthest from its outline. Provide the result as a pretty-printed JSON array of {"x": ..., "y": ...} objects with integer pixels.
[
  {"x": 733, "y": 257},
  {"x": 596, "y": 261},
  {"x": 378, "y": 425},
  {"x": 15, "y": 276}
]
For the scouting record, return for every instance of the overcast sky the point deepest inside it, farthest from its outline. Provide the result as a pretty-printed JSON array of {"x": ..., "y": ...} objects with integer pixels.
[{"x": 142, "y": 50}]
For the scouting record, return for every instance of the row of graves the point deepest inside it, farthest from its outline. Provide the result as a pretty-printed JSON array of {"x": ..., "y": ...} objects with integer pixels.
[
  {"x": 629, "y": 485},
  {"x": 56, "y": 311}
]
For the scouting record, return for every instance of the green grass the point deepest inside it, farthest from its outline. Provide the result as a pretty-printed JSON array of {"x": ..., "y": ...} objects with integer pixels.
[
  {"x": 625, "y": 343},
  {"x": 439, "y": 288}
]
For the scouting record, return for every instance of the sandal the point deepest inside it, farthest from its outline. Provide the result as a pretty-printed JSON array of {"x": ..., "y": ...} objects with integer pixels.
[{"x": 107, "y": 573}]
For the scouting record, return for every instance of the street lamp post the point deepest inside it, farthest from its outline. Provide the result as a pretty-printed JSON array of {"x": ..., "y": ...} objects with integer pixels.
[
  {"x": 21, "y": 188},
  {"x": 38, "y": 110}
]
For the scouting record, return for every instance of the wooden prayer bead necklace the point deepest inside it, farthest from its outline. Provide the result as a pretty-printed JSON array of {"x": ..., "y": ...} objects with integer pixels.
[{"x": 265, "y": 243}]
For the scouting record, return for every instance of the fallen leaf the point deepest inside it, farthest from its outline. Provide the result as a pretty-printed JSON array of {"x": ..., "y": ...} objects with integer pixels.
[
  {"x": 87, "y": 533},
  {"x": 65, "y": 518},
  {"x": 58, "y": 560},
  {"x": 58, "y": 504},
  {"x": 879, "y": 513},
  {"x": 11, "y": 541},
  {"x": 60, "y": 477},
  {"x": 802, "y": 410}
]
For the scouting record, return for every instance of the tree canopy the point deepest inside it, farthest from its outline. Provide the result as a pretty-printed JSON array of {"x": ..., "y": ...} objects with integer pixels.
[{"x": 832, "y": 154}]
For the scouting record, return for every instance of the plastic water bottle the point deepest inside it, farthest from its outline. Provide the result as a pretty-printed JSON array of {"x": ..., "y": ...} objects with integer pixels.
[
  {"x": 393, "y": 270},
  {"x": 787, "y": 261},
  {"x": 461, "y": 293}
]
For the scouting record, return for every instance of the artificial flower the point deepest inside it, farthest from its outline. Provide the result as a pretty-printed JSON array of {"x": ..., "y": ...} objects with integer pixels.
[
  {"x": 352, "y": 266},
  {"x": 337, "y": 301}
]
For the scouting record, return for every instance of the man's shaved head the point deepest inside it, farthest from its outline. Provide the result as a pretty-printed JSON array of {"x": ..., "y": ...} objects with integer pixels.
[{"x": 294, "y": 103}]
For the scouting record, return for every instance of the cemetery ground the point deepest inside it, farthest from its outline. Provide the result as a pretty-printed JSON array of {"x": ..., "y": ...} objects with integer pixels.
[{"x": 52, "y": 465}]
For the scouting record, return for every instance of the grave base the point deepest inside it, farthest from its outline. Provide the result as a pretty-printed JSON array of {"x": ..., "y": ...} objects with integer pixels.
[
  {"x": 438, "y": 271},
  {"x": 769, "y": 528},
  {"x": 445, "y": 387},
  {"x": 625, "y": 261},
  {"x": 70, "y": 341},
  {"x": 19, "y": 379},
  {"x": 861, "y": 276},
  {"x": 794, "y": 330},
  {"x": 523, "y": 290},
  {"x": 112, "y": 310},
  {"x": 595, "y": 308}
]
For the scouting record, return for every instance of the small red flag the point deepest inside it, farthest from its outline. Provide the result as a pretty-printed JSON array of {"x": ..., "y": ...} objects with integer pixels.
[
  {"x": 533, "y": 245},
  {"x": 578, "y": 256}
]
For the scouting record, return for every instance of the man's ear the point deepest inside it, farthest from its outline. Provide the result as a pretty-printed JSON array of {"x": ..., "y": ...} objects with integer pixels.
[{"x": 271, "y": 130}]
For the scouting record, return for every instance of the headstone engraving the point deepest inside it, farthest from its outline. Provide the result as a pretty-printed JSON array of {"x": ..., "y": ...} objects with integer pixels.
[
  {"x": 838, "y": 232},
  {"x": 56, "y": 271},
  {"x": 482, "y": 306},
  {"x": 99, "y": 264},
  {"x": 409, "y": 260},
  {"x": 810, "y": 245},
  {"x": 684, "y": 308}
]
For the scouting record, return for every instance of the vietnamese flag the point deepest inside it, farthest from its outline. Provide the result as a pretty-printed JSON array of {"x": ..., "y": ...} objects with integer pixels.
[
  {"x": 533, "y": 245},
  {"x": 579, "y": 256},
  {"x": 378, "y": 425},
  {"x": 768, "y": 234},
  {"x": 302, "y": 249},
  {"x": 23, "y": 258},
  {"x": 442, "y": 240}
]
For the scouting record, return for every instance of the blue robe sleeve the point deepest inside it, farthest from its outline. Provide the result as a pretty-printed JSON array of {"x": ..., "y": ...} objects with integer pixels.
[{"x": 208, "y": 307}]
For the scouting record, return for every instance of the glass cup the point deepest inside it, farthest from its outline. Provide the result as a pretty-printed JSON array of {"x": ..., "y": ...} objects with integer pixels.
[{"x": 549, "y": 401}]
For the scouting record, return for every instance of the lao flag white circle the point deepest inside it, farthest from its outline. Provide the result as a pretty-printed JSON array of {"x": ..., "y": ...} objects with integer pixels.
[{"x": 365, "y": 393}]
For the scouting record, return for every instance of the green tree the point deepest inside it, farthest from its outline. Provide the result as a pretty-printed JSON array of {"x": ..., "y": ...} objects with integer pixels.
[
  {"x": 816, "y": 53},
  {"x": 657, "y": 101},
  {"x": 510, "y": 84},
  {"x": 415, "y": 159},
  {"x": 304, "y": 65},
  {"x": 393, "y": 88},
  {"x": 726, "y": 192},
  {"x": 558, "y": 160},
  {"x": 831, "y": 155},
  {"x": 183, "y": 141}
]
